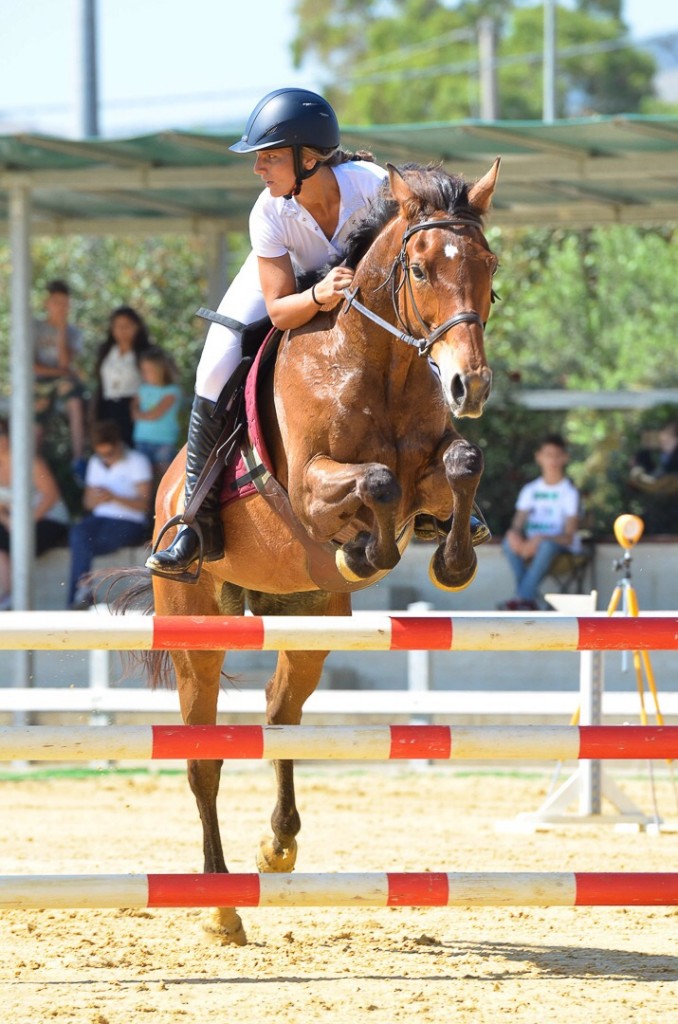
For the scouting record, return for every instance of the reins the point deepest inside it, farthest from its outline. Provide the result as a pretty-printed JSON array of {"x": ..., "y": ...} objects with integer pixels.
[{"x": 425, "y": 344}]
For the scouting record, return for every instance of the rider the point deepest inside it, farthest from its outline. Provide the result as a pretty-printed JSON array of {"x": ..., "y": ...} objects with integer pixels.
[{"x": 316, "y": 193}]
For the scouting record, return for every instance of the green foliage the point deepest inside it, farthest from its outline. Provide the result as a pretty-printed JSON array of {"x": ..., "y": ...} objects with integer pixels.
[
  {"x": 405, "y": 61},
  {"x": 164, "y": 279},
  {"x": 589, "y": 310},
  {"x": 604, "y": 82}
]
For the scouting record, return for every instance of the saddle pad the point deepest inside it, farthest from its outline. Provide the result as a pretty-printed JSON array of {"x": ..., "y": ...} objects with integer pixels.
[{"x": 230, "y": 490}]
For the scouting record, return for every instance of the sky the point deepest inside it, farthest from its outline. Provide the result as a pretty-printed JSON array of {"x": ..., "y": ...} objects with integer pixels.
[{"x": 170, "y": 63}]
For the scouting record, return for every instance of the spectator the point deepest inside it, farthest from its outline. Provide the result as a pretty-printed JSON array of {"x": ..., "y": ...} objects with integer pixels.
[
  {"x": 49, "y": 511},
  {"x": 544, "y": 525},
  {"x": 118, "y": 486},
  {"x": 117, "y": 369},
  {"x": 57, "y": 345},
  {"x": 155, "y": 410},
  {"x": 656, "y": 476}
]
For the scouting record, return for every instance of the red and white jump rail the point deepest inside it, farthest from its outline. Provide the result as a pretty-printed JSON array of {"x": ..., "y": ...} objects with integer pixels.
[
  {"x": 365, "y": 631},
  {"x": 337, "y": 743},
  {"x": 370, "y": 889}
]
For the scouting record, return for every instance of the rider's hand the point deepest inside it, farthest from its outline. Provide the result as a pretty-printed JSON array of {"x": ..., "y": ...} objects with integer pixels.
[{"x": 329, "y": 290}]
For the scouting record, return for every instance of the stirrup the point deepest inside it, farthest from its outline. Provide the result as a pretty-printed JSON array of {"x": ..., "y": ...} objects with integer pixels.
[
  {"x": 480, "y": 531},
  {"x": 185, "y": 576}
]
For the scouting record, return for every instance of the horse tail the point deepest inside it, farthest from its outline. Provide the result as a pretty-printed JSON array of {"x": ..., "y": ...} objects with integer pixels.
[{"x": 130, "y": 589}]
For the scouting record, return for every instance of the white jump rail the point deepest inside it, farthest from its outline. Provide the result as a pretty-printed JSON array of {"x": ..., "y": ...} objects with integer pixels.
[
  {"x": 346, "y": 889},
  {"x": 466, "y": 631},
  {"x": 337, "y": 742}
]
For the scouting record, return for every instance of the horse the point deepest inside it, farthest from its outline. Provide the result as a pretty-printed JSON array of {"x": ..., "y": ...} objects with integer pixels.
[{"x": 356, "y": 412}]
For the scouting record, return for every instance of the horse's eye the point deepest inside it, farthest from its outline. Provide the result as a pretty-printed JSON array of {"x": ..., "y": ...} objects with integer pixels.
[{"x": 417, "y": 272}]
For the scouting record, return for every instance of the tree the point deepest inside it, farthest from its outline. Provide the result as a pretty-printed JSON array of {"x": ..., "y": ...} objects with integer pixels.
[{"x": 417, "y": 60}]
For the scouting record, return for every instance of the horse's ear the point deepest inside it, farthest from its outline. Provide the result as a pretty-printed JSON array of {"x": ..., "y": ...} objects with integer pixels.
[
  {"x": 402, "y": 193},
  {"x": 480, "y": 194}
]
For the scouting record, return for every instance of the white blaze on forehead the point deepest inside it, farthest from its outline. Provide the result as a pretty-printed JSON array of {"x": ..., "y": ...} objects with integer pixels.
[{"x": 451, "y": 250}]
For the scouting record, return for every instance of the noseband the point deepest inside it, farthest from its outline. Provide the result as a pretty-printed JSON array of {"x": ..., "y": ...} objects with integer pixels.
[{"x": 401, "y": 262}]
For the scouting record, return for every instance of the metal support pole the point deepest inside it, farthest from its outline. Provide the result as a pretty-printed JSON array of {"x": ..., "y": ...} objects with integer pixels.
[
  {"x": 487, "y": 41},
  {"x": 89, "y": 93},
  {"x": 549, "y": 84},
  {"x": 591, "y": 710},
  {"x": 419, "y": 673},
  {"x": 22, "y": 436}
]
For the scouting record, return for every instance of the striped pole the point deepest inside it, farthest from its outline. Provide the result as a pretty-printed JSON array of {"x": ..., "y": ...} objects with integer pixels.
[
  {"x": 337, "y": 743},
  {"x": 366, "y": 631},
  {"x": 369, "y": 889}
]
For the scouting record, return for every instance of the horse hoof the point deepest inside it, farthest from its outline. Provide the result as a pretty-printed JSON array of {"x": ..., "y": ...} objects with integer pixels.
[
  {"x": 351, "y": 559},
  {"x": 344, "y": 568},
  {"x": 225, "y": 927},
  {"x": 451, "y": 582},
  {"x": 274, "y": 858}
]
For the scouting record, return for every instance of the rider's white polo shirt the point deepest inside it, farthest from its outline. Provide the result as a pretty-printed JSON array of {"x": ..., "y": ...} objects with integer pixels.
[{"x": 279, "y": 226}]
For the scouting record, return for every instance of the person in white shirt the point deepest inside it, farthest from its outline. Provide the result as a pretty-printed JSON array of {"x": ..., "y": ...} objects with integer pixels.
[
  {"x": 117, "y": 369},
  {"x": 544, "y": 525},
  {"x": 315, "y": 196},
  {"x": 118, "y": 486}
]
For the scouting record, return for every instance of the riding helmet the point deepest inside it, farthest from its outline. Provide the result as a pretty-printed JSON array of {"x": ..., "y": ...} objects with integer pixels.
[
  {"x": 290, "y": 117},
  {"x": 294, "y": 118}
]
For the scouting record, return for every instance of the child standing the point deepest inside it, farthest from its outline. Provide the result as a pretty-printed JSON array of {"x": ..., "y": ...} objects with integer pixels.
[{"x": 155, "y": 410}]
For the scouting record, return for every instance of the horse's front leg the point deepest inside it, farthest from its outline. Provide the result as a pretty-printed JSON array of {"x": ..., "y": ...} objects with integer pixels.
[
  {"x": 454, "y": 562},
  {"x": 296, "y": 676},
  {"x": 334, "y": 492},
  {"x": 198, "y": 675}
]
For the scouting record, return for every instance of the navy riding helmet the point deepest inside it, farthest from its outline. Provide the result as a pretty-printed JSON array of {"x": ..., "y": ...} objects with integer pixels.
[{"x": 294, "y": 118}]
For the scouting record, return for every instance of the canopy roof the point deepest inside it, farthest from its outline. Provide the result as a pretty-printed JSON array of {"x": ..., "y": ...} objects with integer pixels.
[{"x": 621, "y": 169}]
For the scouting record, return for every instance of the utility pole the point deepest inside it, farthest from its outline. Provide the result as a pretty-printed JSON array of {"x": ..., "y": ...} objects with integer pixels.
[
  {"x": 549, "y": 94},
  {"x": 89, "y": 99},
  {"x": 487, "y": 47}
]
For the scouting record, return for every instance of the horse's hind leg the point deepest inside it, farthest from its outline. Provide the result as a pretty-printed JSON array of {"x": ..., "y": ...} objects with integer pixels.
[
  {"x": 296, "y": 676},
  {"x": 454, "y": 563}
]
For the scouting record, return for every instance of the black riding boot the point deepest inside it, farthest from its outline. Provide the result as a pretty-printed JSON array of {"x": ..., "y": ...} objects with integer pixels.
[{"x": 184, "y": 551}]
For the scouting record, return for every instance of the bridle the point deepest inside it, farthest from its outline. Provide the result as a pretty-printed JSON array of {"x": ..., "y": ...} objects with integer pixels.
[{"x": 399, "y": 277}]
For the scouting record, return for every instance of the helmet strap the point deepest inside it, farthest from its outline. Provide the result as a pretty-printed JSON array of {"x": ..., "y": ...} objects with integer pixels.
[{"x": 300, "y": 173}]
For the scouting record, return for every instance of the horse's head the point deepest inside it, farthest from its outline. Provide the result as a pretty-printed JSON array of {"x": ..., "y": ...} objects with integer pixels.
[{"x": 443, "y": 277}]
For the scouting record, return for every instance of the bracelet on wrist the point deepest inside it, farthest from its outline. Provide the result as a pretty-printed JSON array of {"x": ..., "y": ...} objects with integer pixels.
[{"x": 313, "y": 296}]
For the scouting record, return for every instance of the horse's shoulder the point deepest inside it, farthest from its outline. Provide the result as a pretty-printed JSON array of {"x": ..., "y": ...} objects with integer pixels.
[{"x": 323, "y": 321}]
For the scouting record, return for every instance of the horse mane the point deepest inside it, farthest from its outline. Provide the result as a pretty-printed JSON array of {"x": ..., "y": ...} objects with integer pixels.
[{"x": 436, "y": 191}]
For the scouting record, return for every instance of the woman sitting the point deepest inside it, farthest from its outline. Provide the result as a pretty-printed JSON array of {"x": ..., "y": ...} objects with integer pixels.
[{"x": 49, "y": 512}]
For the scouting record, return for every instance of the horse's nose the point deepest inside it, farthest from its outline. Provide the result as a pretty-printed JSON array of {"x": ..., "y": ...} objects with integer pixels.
[{"x": 470, "y": 391}]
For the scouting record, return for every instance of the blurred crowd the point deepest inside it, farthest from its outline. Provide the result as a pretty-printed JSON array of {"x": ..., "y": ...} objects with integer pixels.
[{"x": 123, "y": 418}]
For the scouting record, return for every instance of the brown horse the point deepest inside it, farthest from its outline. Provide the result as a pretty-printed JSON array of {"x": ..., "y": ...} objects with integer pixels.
[{"x": 357, "y": 423}]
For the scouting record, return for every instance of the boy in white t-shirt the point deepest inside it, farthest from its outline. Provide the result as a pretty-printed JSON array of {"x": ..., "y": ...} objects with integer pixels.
[
  {"x": 117, "y": 498},
  {"x": 544, "y": 525}
]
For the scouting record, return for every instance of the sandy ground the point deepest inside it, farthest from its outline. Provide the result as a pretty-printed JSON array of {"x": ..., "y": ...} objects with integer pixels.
[{"x": 592, "y": 965}]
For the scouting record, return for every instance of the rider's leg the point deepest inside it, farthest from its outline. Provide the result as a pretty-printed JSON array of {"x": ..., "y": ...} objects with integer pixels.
[
  {"x": 220, "y": 359},
  {"x": 204, "y": 429}
]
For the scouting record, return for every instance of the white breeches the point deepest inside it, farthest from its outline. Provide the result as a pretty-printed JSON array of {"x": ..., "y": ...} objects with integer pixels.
[{"x": 222, "y": 351}]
